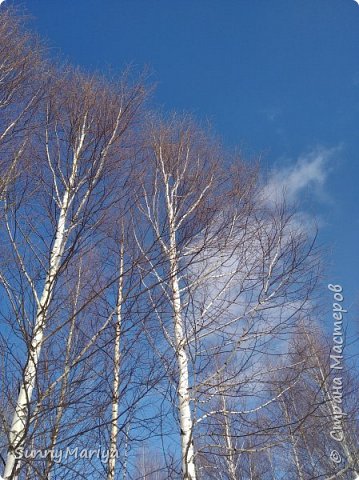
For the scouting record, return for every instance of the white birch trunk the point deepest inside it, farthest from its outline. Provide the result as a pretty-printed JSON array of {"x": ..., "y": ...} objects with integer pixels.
[
  {"x": 64, "y": 383},
  {"x": 21, "y": 415},
  {"x": 186, "y": 422},
  {"x": 293, "y": 442},
  {"x": 125, "y": 455},
  {"x": 231, "y": 463},
  {"x": 116, "y": 374}
]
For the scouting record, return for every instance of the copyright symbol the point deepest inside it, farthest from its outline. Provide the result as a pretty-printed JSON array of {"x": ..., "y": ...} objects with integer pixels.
[{"x": 335, "y": 456}]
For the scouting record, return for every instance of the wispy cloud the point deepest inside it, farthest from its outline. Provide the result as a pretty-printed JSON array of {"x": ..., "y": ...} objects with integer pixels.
[{"x": 304, "y": 177}]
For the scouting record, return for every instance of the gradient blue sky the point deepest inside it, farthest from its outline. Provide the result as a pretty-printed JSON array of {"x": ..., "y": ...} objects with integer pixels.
[{"x": 277, "y": 78}]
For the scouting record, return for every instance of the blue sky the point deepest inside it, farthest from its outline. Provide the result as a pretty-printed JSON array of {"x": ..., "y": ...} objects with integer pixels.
[{"x": 277, "y": 78}]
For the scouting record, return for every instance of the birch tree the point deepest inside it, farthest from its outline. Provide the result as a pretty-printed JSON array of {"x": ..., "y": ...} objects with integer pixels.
[
  {"x": 150, "y": 292},
  {"x": 134, "y": 375},
  {"x": 180, "y": 208},
  {"x": 84, "y": 124},
  {"x": 308, "y": 411},
  {"x": 236, "y": 275},
  {"x": 166, "y": 201}
]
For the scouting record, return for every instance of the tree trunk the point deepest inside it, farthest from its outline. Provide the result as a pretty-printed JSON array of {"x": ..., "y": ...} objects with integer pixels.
[
  {"x": 186, "y": 422},
  {"x": 231, "y": 464},
  {"x": 116, "y": 374},
  {"x": 21, "y": 418}
]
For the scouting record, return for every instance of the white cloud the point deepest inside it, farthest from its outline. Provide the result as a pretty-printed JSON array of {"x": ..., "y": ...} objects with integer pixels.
[{"x": 307, "y": 175}]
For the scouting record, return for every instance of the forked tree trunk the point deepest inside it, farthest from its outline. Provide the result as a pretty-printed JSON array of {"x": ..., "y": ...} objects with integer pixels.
[{"x": 21, "y": 417}]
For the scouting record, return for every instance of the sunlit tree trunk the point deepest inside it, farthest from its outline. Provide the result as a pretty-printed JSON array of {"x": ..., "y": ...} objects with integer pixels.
[
  {"x": 21, "y": 415},
  {"x": 188, "y": 465},
  {"x": 116, "y": 372}
]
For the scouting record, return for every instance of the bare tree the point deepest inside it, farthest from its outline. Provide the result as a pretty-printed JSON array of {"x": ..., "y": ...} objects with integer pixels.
[
  {"x": 150, "y": 292},
  {"x": 307, "y": 410},
  {"x": 174, "y": 191},
  {"x": 236, "y": 274},
  {"x": 84, "y": 125}
]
